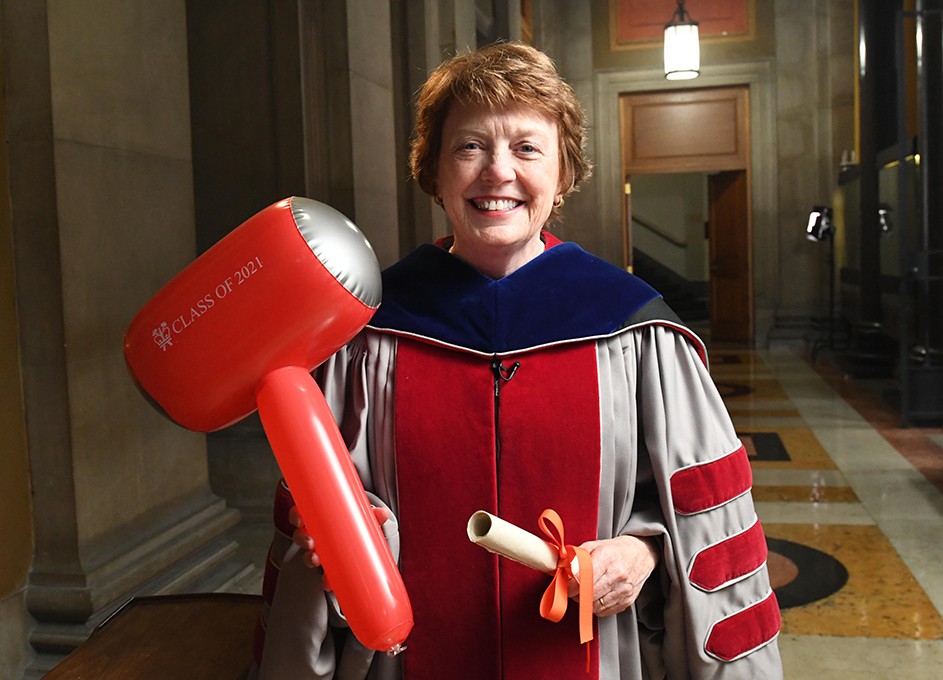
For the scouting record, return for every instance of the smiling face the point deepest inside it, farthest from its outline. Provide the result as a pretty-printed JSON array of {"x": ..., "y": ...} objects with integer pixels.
[{"x": 498, "y": 177}]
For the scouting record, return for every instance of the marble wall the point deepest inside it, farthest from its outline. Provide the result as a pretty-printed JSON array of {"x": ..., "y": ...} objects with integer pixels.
[
  {"x": 376, "y": 191},
  {"x": 814, "y": 112},
  {"x": 102, "y": 214},
  {"x": 124, "y": 205}
]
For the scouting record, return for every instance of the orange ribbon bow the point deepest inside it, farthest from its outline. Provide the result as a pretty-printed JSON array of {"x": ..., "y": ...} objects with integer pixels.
[{"x": 554, "y": 601}]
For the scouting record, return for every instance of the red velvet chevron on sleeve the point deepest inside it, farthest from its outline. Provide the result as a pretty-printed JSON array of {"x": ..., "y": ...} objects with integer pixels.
[
  {"x": 745, "y": 631},
  {"x": 709, "y": 485},
  {"x": 730, "y": 560}
]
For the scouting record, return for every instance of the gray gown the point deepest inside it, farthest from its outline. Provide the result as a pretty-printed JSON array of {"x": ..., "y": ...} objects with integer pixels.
[{"x": 662, "y": 423}]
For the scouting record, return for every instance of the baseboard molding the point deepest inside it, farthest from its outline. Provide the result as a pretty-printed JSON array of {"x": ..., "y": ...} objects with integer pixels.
[{"x": 190, "y": 556}]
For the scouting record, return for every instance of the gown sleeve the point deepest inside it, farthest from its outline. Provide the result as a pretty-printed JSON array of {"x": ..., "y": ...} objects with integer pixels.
[{"x": 721, "y": 618}]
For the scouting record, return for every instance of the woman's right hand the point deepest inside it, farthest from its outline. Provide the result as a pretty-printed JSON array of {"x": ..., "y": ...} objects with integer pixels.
[{"x": 303, "y": 539}]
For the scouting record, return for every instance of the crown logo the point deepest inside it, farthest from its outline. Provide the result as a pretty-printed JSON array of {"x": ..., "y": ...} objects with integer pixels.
[{"x": 162, "y": 336}]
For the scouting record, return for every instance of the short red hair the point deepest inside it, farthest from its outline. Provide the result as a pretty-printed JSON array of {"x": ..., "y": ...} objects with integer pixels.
[{"x": 499, "y": 76}]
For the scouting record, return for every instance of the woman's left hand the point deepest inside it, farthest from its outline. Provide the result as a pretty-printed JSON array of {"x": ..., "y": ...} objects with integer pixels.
[{"x": 621, "y": 565}]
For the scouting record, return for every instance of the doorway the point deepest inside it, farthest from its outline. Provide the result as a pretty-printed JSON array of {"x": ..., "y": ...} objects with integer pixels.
[{"x": 702, "y": 130}]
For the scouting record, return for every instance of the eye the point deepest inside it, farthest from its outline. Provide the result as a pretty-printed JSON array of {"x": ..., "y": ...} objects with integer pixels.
[{"x": 528, "y": 148}]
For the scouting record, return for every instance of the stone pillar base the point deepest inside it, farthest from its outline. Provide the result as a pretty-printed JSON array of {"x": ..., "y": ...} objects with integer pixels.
[{"x": 191, "y": 556}]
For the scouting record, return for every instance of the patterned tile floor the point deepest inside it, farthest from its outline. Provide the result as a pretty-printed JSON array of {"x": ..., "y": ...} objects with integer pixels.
[{"x": 853, "y": 508}]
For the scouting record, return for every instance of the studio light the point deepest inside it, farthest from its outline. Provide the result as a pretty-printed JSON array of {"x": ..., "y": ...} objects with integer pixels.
[
  {"x": 884, "y": 219},
  {"x": 682, "y": 49},
  {"x": 820, "y": 226}
]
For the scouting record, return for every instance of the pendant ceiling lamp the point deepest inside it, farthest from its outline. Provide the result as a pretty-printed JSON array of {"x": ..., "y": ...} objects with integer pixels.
[{"x": 682, "y": 51}]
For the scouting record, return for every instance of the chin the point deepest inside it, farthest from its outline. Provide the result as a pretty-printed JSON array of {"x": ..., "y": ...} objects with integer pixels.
[{"x": 505, "y": 236}]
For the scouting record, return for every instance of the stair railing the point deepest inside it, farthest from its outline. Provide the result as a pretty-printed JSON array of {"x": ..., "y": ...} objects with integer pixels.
[{"x": 658, "y": 231}]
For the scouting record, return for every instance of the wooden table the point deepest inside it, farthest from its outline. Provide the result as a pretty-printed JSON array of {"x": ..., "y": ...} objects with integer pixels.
[{"x": 169, "y": 637}]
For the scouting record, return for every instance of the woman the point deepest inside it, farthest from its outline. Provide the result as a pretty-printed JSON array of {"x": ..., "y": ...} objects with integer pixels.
[{"x": 510, "y": 372}]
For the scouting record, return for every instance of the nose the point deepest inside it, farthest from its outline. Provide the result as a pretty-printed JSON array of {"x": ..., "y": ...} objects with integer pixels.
[{"x": 498, "y": 168}]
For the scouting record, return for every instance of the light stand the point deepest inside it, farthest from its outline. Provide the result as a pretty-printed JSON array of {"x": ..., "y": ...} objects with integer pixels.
[{"x": 821, "y": 228}]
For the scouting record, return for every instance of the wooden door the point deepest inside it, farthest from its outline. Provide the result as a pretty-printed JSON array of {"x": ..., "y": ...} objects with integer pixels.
[
  {"x": 731, "y": 270},
  {"x": 701, "y": 130}
]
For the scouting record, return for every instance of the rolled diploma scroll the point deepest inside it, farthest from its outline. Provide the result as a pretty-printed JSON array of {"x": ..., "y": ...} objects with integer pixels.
[{"x": 503, "y": 538}]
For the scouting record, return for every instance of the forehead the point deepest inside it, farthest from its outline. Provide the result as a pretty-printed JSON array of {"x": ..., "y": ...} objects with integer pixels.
[{"x": 510, "y": 120}]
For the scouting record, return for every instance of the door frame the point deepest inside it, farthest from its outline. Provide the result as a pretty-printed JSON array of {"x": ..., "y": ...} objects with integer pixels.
[
  {"x": 650, "y": 145},
  {"x": 764, "y": 174}
]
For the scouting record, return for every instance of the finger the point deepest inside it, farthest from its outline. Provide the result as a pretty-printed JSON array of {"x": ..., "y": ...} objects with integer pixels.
[
  {"x": 301, "y": 538},
  {"x": 311, "y": 559},
  {"x": 614, "y": 574},
  {"x": 309, "y": 556},
  {"x": 617, "y": 600},
  {"x": 603, "y": 606},
  {"x": 293, "y": 517},
  {"x": 382, "y": 514},
  {"x": 607, "y": 605}
]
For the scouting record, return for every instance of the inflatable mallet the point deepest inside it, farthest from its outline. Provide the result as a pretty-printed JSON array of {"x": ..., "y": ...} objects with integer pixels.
[{"x": 240, "y": 329}]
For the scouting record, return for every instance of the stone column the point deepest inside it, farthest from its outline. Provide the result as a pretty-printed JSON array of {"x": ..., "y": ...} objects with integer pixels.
[
  {"x": 102, "y": 213},
  {"x": 564, "y": 31}
]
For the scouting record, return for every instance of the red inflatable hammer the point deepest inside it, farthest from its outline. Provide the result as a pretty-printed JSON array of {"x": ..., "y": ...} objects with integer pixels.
[{"x": 242, "y": 328}]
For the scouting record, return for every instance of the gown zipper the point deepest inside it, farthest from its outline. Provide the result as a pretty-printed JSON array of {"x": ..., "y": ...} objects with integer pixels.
[{"x": 501, "y": 374}]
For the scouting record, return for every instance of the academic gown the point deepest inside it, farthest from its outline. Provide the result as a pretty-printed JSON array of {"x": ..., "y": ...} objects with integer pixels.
[{"x": 568, "y": 385}]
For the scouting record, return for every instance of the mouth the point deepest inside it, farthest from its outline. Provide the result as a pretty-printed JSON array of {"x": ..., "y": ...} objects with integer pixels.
[{"x": 495, "y": 204}]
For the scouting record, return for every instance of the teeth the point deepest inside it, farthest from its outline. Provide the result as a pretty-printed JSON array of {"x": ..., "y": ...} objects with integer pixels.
[{"x": 502, "y": 204}]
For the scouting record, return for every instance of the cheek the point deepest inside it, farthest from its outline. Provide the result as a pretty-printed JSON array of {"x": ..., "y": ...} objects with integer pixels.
[
  {"x": 452, "y": 179},
  {"x": 549, "y": 187}
]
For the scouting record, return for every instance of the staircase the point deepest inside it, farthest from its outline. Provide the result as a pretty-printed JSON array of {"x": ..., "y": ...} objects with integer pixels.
[{"x": 689, "y": 299}]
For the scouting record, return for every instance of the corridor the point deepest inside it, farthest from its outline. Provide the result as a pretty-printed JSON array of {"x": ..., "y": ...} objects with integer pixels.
[{"x": 853, "y": 509}]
